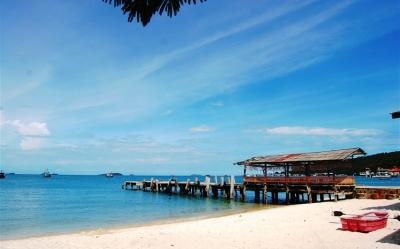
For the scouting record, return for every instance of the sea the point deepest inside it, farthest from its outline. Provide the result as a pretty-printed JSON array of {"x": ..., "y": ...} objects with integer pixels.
[{"x": 31, "y": 205}]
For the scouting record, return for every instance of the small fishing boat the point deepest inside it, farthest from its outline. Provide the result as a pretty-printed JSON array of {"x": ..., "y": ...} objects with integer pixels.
[
  {"x": 46, "y": 173},
  {"x": 382, "y": 174},
  {"x": 109, "y": 174},
  {"x": 367, "y": 222},
  {"x": 2, "y": 175}
]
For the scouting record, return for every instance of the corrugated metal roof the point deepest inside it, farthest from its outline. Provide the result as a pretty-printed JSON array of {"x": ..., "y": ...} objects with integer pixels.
[{"x": 333, "y": 155}]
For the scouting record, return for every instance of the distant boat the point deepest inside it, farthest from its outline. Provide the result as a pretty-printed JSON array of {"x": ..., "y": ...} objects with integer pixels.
[
  {"x": 382, "y": 174},
  {"x": 2, "y": 175},
  {"x": 109, "y": 174},
  {"x": 46, "y": 173}
]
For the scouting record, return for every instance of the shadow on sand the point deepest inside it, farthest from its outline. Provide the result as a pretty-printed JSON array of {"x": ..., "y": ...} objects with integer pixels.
[
  {"x": 393, "y": 207},
  {"x": 393, "y": 238}
]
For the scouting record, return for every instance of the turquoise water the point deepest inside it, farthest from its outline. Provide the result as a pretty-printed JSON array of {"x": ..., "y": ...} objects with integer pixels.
[{"x": 31, "y": 205}]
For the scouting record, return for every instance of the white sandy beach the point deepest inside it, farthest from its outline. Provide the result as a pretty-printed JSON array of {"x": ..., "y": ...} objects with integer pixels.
[{"x": 297, "y": 226}]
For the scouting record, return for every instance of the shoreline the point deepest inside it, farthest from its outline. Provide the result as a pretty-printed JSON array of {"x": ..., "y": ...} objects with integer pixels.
[
  {"x": 163, "y": 221},
  {"x": 297, "y": 226}
]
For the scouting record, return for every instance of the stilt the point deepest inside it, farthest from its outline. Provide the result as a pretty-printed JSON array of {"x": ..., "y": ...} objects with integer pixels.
[
  {"x": 265, "y": 192},
  {"x": 309, "y": 195},
  {"x": 232, "y": 187},
  {"x": 207, "y": 188},
  {"x": 287, "y": 195},
  {"x": 321, "y": 197},
  {"x": 243, "y": 193},
  {"x": 257, "y": 196}
]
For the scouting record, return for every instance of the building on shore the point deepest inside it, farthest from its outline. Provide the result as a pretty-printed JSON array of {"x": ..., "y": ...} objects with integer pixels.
[{"x": 315, "y": 173}]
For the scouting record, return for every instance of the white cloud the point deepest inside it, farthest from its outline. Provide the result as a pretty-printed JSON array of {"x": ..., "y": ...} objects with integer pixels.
[
  {"x": 33, "y": 134},
  {"x": 32, "y": 143},
  {"x": 319, "y": 131},
  {"x": 30, "y": 129},
  {"x": 201, "y": 128}
]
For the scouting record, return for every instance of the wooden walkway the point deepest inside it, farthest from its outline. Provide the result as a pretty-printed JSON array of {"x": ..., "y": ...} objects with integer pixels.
[{"x": 279, "y": 189}]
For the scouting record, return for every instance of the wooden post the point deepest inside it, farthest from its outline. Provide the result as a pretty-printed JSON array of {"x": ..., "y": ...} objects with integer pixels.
[
  {"x": 216, "y": 180},
  {"x": 309, "y": 196},
  {"x": 336, "y": 194},
  {"x": 287, "y": 194},
  {"x": 207, "y": 189},
  {"x": 152, "y": 184},
  {"x": 157, "y": 187},
  {"x": 232, "y": 187},
  {"x": 314, "y": 197},
  {"x": 321, "y": 197},
  {"x": 222, "y": 181},
  {"x": 243, "y": 193},
  {"x": 265, "y": 193},
  {"x": 187, "y": 186},
  {"x": 257, "y": 195}
]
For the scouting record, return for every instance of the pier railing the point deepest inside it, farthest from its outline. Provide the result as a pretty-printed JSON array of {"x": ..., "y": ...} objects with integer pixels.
[{"x": 338, "y": 180}]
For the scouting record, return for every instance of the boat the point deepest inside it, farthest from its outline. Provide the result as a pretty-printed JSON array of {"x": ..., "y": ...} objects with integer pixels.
[
  {"x": 109, "y": 174},
  {"x": 365, "y": 223},
  {"x": 367, "y": 173},
  {"x": 2, "y": 175},
  {"x": 46, "y": 173}
]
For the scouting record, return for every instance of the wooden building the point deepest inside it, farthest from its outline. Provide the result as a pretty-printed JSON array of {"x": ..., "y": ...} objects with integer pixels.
[{"x": 301, "y": 176}]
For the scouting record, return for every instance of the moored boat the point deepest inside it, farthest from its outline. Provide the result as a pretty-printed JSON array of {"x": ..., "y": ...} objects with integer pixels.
[
  {"x": 46, "y": 173},
  {"x": 2, "y": 175},
  {"x": 109, "y": 174}
]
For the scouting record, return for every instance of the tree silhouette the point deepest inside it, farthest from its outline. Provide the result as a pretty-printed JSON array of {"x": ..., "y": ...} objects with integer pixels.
[{"x": 144, "y": 10}]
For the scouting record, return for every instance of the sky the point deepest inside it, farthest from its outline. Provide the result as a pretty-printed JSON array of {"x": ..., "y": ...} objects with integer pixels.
[{"x": 85, "y": 92}]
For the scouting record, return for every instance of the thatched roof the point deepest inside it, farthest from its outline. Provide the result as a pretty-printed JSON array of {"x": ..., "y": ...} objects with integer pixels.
[{"x": 273, "y": 160}]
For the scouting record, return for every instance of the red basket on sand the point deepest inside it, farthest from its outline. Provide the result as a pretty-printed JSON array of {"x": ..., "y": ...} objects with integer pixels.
[{"x": 367, "y": 222}]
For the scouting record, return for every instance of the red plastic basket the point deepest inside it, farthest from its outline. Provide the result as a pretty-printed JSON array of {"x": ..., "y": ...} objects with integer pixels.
[{"x": 367, "y": 222}]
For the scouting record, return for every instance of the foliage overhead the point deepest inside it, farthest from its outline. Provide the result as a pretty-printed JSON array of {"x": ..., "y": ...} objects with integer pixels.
[{"x": 144, "y": 10}]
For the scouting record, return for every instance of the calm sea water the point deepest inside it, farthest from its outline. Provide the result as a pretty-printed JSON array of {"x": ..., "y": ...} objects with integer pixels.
[{"x": 31, "y": 205}]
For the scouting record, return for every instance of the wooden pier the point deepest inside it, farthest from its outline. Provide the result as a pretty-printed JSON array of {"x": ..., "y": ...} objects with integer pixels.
[
  {"x": 225, "y": 187},
  {"x": 280, "y": 190},
  {"x": 302, "y": 178}
]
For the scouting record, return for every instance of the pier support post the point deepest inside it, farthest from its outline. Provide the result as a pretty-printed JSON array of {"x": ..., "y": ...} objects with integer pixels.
[
  {"x": 157, "y": 185},
  {"x": 243, "y": 193},
  {"x": 207, "y": 189},
  {"x": 336, "y": 194},
  {"x": 309, "y": 195},
  {"x": 257, "y": 195},
  {"x": 265, "y": 192},
  {"x": 321, "y": 197},
  {"x": 232, "y": 187},
  {"x": 287, "y": 195},
  {"x": 152, "y": 184}
]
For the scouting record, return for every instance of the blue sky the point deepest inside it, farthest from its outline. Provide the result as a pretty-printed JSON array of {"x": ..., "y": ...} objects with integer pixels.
[{"x": 85, "y": 92}]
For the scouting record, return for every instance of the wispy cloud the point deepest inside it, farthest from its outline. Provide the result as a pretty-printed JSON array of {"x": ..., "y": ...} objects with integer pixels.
[
  {"x": 217, "y": 104},
  {"x": 200, "y": 129},
  {"x": 30, "y": 129},
  {"x": 319, "y": 131}
]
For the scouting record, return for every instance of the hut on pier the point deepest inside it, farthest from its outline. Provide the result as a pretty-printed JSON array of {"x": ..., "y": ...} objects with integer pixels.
[{"x": 302, "y": 173}]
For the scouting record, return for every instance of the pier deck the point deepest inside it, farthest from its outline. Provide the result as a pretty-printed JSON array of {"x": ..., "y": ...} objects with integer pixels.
[{"x": 280, "y": 189}]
